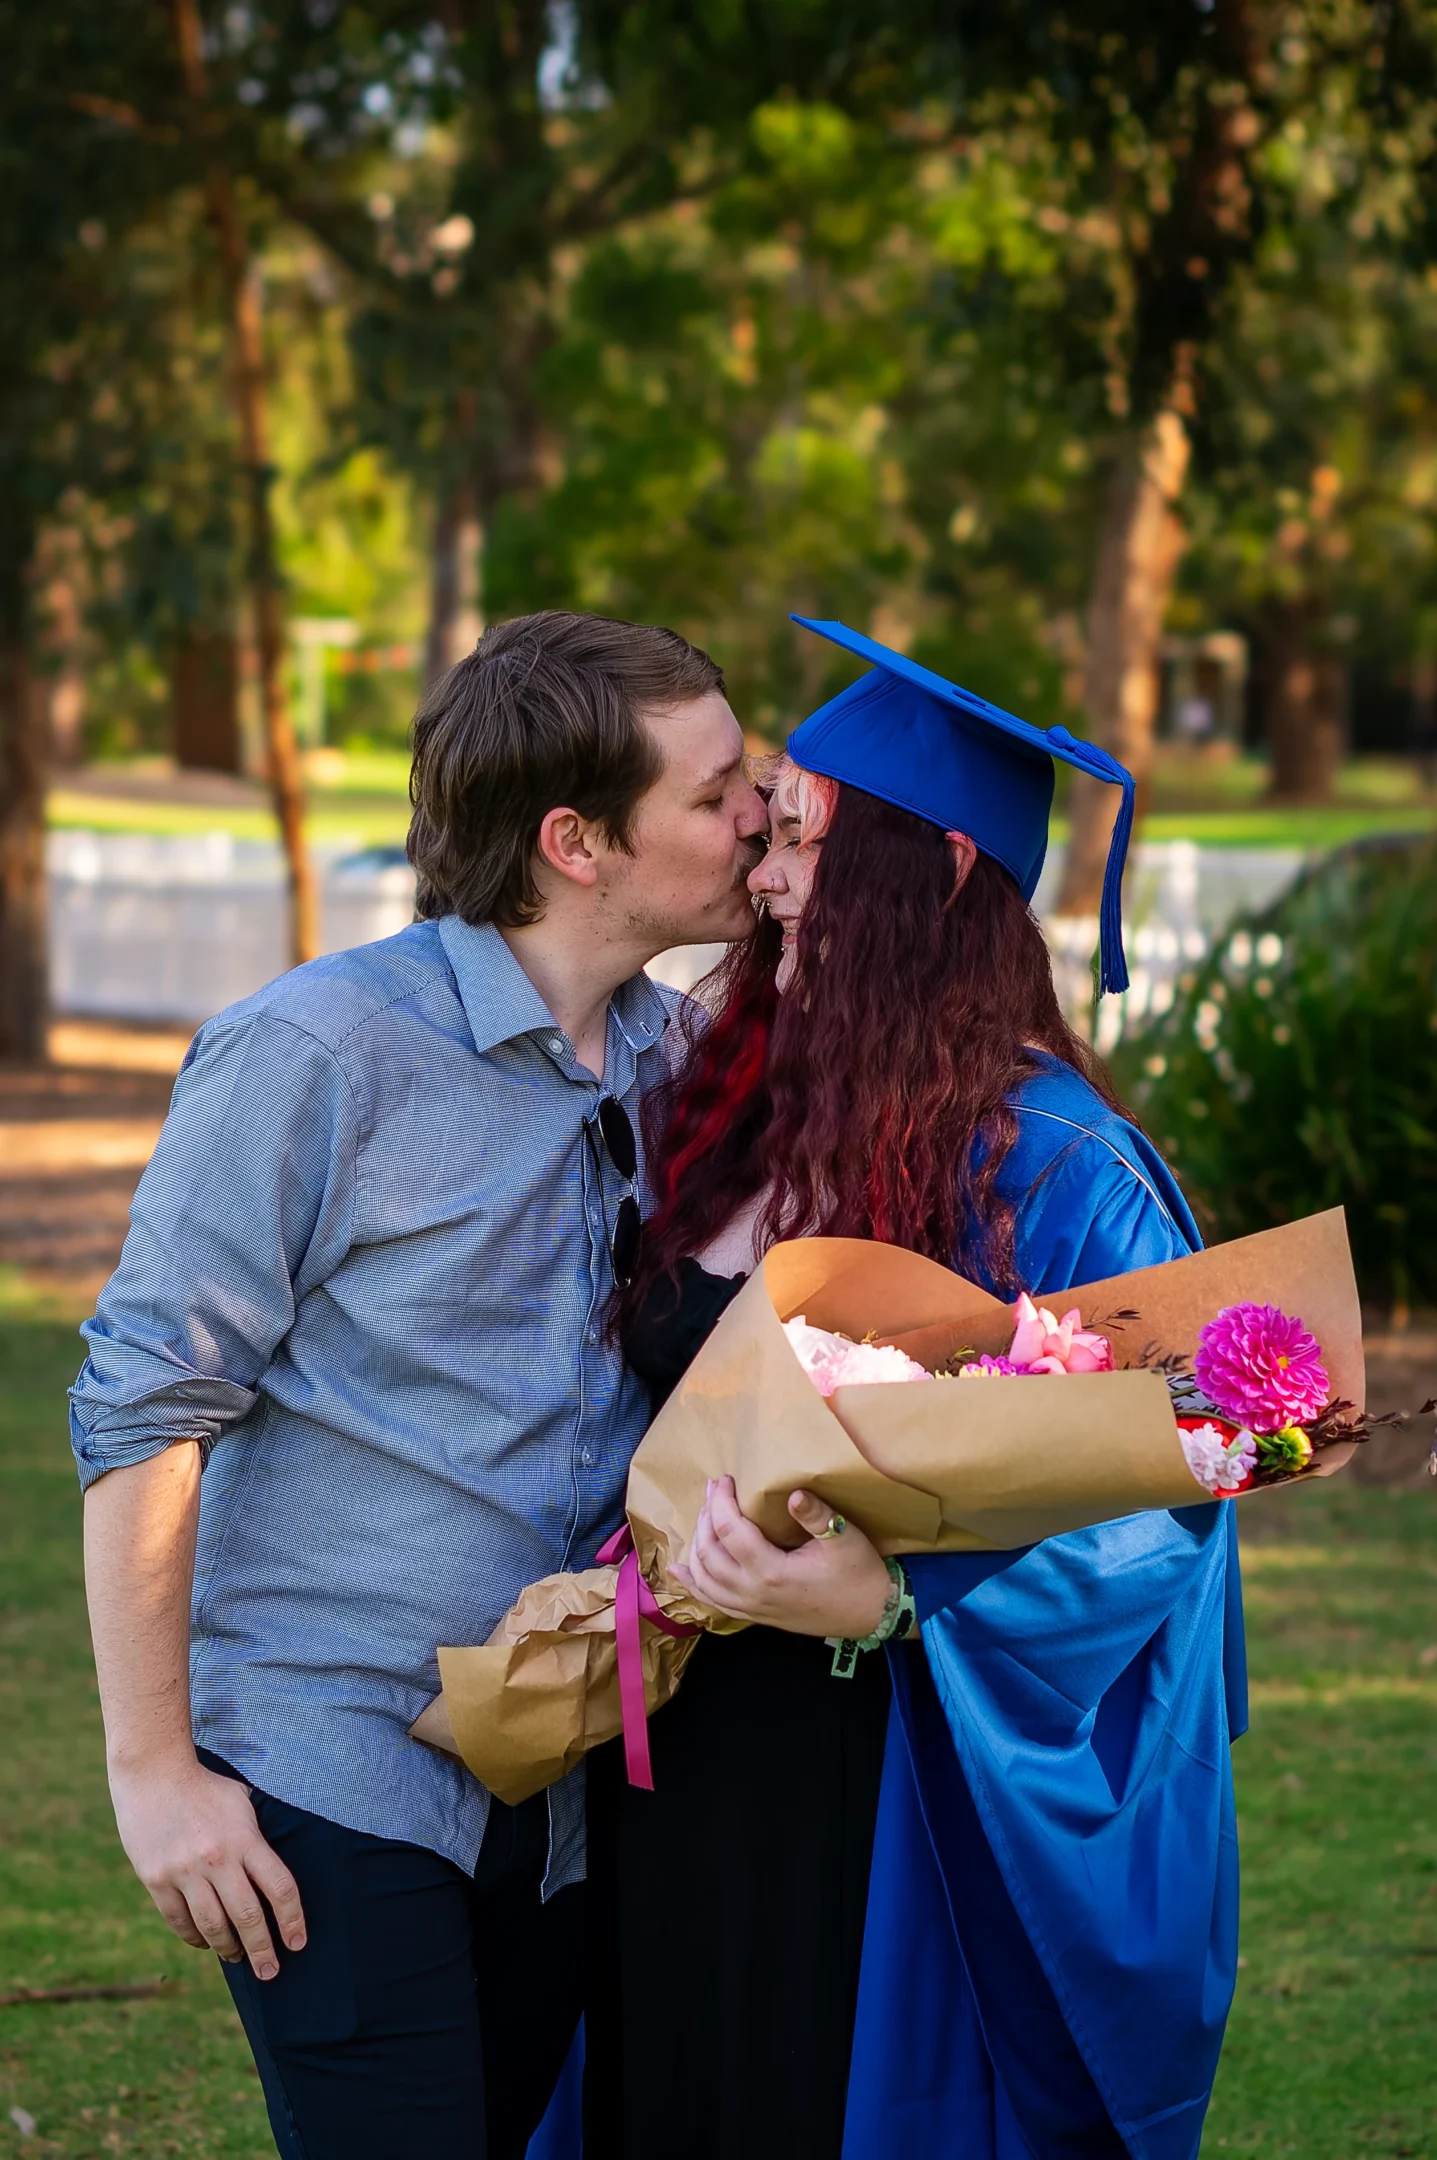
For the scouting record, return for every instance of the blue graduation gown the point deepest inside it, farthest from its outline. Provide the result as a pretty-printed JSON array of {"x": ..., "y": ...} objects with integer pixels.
[{"x": 1051, "y": 1938}]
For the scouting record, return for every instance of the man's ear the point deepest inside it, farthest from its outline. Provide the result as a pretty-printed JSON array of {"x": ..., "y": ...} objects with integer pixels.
[{"x": 568, "y": 844}]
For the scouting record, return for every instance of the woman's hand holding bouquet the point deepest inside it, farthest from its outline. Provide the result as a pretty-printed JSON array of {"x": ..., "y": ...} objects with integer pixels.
[{"x": 834, "y": 1586}]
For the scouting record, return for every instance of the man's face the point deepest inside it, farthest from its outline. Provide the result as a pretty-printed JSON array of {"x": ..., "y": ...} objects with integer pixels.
[{"x": 696, "y": 835}]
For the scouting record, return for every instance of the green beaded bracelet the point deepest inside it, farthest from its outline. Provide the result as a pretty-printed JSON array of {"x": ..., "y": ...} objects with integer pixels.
[{"x": 899, "y": 1619}]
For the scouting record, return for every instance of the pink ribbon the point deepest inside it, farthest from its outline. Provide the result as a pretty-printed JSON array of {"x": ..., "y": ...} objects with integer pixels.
[{"x": 633, "y": 1601}]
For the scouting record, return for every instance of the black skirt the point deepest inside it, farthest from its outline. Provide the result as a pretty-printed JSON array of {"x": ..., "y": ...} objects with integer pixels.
[{"x": 728, "y": 1904}]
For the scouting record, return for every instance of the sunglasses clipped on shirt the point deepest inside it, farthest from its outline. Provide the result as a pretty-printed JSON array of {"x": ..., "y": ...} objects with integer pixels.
[{"x": 622, "y": 1150}]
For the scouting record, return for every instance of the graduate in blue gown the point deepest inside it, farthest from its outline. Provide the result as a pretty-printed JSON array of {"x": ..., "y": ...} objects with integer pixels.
[
  {"x": 1053, "y": 1900},
  {"x": 1048, "y": 1884}
]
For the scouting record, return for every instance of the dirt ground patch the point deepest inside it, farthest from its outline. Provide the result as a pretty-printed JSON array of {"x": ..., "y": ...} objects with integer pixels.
[
  {"x": 76, "y": 1133},
  {"x": 74, "y": 1136}
]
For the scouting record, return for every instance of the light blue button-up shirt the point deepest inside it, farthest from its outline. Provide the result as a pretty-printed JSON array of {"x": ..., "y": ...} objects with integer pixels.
[{"x": 368, "y": 1266}]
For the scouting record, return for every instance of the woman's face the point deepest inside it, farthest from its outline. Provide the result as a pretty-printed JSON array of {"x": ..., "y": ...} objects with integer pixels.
[{"x": 800, "y": 812}]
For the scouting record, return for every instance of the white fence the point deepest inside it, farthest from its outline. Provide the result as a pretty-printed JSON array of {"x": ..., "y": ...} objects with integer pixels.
[
  {"x": 177, "y": 928},
  {"x": 164, "y": 928},
  {"x": 1179, "y": 900}
]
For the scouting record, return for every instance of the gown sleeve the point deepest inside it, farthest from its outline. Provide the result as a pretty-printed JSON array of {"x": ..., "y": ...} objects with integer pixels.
[{"x": 1057, "y": 1822}]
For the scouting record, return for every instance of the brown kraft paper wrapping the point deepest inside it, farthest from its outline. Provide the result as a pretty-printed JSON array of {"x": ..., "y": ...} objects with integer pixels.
[{"x": 962, "y": 1465}]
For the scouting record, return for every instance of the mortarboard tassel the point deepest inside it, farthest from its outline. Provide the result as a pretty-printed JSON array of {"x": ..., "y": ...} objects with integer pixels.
[
  {"x": 1090, "y": 758},
  {"x": 1112, "y": 961}
]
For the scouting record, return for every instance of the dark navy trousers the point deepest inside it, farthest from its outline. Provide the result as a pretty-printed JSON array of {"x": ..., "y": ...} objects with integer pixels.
[{"x": 429, "y": 2014}]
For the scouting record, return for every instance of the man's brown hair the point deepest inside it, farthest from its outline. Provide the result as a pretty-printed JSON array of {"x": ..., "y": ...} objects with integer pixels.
[{"x": 545, "y": 713}]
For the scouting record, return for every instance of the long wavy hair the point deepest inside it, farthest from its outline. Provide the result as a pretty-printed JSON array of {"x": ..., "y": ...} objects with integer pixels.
[{"x": 872, "y": 1098}]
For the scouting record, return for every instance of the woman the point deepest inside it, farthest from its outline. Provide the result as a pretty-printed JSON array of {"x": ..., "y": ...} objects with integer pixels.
[{"x": 979, "y": 1898}]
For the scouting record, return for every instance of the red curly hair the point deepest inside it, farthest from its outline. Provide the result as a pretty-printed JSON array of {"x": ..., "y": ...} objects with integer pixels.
[{"x": 872, "y": 1099}]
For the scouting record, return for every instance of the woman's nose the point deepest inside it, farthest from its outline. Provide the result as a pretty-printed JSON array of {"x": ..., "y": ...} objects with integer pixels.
[{"x": 767, "y": 875}]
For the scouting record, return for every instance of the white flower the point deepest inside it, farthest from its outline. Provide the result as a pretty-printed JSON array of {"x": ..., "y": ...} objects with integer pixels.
[
  {"x": 1216, "y": 1462},
  {"x": 832, "y": 1361}
]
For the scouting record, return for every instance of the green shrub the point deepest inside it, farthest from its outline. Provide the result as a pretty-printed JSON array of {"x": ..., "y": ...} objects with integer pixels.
[{"x": 1297, "y": 1068}]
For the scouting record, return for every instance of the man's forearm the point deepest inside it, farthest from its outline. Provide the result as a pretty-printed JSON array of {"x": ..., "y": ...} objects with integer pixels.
[
  {"x": 191, "y": 1834},
  {"x": 140, "y": 1528}
]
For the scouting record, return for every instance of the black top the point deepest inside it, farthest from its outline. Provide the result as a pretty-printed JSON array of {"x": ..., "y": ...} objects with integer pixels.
[
  {"x": 728, "y": 1904},
  {"x": 675, "y": 1321}
]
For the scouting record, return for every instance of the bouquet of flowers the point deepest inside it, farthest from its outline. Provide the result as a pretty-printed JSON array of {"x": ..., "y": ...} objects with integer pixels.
[
  {"x": 1254, "y": 1407},
  {"x": 1221, "y": 1392}
]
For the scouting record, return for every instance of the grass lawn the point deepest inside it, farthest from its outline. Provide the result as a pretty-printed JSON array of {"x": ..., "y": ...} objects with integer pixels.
[
  {"x": 1222, "y": 804},
  {"x": 366, "y": 801},
  {"x": 167, "y": 2075},
  {"x": 1329, "y": 2050},
  {"x": 1330, "y": 2047}
]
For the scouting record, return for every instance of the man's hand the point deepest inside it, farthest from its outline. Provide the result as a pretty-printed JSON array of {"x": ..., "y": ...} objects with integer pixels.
[
  {"x": 191, "y": 1834},
  {"x": 192, "y": 1838},
  {"x": 830, "y": 1586}
]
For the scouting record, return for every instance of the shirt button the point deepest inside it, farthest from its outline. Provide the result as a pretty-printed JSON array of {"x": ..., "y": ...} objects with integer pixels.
[
  {"x": 555, "y": 1043},
  {"x": 592, "y": 1336},
  {"x": 586, "y": 1456}
]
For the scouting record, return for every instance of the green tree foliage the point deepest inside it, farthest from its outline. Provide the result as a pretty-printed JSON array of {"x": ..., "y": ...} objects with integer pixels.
[
  {"x": 63, "y": 79},
  {"x": 147, "y": 452},
  {"x": 549, "y": 128},
  {"x": 701, "y": 315},
  {"x": 1298, "y": 1068},
  {"x": 722, "y": 372},
  {"x": 1313, "y": 511},
  {"x": 151, "y": 460},
  {"x": 827, "y": 379}
]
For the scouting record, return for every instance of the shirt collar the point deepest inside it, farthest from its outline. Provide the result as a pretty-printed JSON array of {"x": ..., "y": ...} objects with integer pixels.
[
  {"x": 640, "y": 1012},
  {"x": 500, "y": 1002}
]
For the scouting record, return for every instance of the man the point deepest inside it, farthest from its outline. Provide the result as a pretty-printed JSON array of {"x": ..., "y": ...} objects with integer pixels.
[{"x": 364, "y": 1293}]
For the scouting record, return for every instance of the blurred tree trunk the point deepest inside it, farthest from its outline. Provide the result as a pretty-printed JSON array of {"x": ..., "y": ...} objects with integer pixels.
[
  {"x": 247, "y": 338},
  {"x": 502, "y": 452},
  {"x": 1179, "y": 272},
  {"x": 1139, "y": 549},
  {"x": 204, "y": 701},
  {"x": 23, "y": 962},
  {"x": 455, "y": 619},
  {"x": 1306, "y": 712}
]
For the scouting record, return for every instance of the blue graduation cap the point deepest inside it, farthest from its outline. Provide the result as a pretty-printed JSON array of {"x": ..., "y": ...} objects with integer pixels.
[{"x": 924, "y": 745}]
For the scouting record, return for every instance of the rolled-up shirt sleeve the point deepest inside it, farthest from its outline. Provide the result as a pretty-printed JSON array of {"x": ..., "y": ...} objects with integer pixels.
[{"x": 247, "y": 1205}]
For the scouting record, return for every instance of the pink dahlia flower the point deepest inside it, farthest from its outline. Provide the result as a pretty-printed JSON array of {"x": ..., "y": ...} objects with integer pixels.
[
  {"x": 1043, "y": 1344},
  {"x": 1261, "y": 1367}
]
